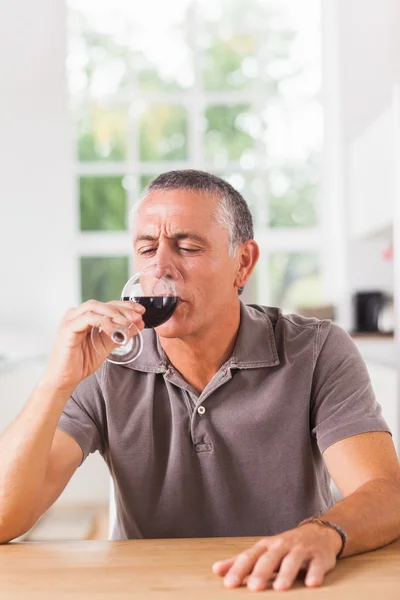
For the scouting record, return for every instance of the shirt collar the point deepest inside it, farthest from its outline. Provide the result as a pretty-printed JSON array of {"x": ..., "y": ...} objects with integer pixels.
[{"x": 255, "y": 344}]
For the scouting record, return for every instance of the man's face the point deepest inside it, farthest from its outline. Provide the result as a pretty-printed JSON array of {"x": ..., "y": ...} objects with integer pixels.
[{"x": 179, "y": 227}]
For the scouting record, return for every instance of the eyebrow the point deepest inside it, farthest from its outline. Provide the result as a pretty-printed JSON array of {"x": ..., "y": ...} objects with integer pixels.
[{"x": 180, "y": 235}]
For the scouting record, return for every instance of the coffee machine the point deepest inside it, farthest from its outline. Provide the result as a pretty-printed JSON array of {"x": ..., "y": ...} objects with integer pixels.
[{"x": 373, "y": 312}]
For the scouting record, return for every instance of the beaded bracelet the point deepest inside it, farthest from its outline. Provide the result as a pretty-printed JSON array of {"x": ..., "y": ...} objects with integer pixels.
[{"x": 333, "y": 526}]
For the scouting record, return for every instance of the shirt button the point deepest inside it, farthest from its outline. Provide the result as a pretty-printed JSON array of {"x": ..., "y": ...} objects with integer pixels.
[{"x": 201, "y": 410}]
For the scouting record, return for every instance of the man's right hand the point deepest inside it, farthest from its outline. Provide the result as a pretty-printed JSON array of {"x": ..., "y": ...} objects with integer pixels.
[
  {"x": 73, "y": 357},
  {"x": 36, "y": 459}
]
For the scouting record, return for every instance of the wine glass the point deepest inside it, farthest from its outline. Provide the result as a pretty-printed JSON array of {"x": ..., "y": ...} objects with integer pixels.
[{"x": 156, "y": 289}]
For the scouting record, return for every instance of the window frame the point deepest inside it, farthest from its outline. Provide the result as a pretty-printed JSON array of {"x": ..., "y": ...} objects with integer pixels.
[{"x": 196, "y": 100}]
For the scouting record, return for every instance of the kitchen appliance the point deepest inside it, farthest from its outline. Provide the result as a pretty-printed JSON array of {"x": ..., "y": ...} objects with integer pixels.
[
  {"x": 386, "y": 316},
  {"x": 373, "y": 312}
]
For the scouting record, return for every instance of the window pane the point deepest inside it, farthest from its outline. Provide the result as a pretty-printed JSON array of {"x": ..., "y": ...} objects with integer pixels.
[
  {"x": 103, "y": 278},
  {"x": 109, "y": 40},
  {"x": 293, "y": 196},
  {"x": 250, "y": 187},
  {"x": 295, "y": 280},
  {"x": 150, "y": 79},
  {"x": 246, "y": 46},
  {"x": 229, "y": 61},
  {"x": 229, "y": 134},
  {"x": 102, "y": 133},
  {"x": 145, "y": 180},
  {"x": 294, "y": 129},
  {"x": 103, "y": 204},
  {"x": 99, "y": 55},
  {"x": 163, "y": 133},
  {"x": 163, "y": 54}
]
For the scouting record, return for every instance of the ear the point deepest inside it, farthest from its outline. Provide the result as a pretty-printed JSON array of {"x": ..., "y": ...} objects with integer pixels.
[{"x": 247, "y": 257}]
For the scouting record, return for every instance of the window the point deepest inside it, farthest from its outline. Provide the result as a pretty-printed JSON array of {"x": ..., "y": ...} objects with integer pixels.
[{"x": 228, "y": 86}]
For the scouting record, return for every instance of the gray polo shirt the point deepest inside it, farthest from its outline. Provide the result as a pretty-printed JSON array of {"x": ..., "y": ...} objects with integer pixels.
[{"x": 244, "y": 457}]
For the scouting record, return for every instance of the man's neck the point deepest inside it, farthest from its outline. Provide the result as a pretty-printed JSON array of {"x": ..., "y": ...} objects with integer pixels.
[{"x": 199, "y": 357}]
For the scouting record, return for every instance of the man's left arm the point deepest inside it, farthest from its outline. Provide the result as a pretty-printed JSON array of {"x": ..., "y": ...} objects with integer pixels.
[
  {"x": 366, "y": 471},
  {"x": 353, "y": 438}
]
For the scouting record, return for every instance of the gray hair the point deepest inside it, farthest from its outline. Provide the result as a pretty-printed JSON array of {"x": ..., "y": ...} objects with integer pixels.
[{"x": 232, "y": 210}]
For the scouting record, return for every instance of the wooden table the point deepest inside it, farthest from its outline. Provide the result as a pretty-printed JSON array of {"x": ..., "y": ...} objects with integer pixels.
[{"x": 168, "y": 569}]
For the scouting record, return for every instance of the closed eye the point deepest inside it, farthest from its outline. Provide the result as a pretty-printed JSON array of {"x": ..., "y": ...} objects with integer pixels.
[
  {"x": 145, "y": 251},
  {"x": 189, "y": 250}
]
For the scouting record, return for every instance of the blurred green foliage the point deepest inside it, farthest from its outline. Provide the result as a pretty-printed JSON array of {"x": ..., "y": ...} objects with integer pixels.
[
  {"x": 163, "y": 133},
  {"x": 225, "y": 62},
  {"x": 103, "y": 204},
  {"x": 145, "y": 180},
  {"x": 103, "y": 277},
  {"x": 292, "y": 195},
  {"x": 102, "y": 133},
  {"x": 226, "y": 137}
]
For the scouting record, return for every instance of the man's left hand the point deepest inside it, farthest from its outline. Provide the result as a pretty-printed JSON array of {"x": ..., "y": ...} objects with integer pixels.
[{"x": 312, "y": 547}]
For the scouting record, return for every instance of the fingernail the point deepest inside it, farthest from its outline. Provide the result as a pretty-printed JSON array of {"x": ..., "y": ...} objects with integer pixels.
[
  {"x": 255, "y": 583},
  {"x": 281, "y": 584},
  {"x": 231, "y": 580}
]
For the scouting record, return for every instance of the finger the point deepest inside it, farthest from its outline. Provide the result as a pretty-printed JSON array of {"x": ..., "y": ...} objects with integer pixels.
[
  {"x": 130, "y": 310},
  {"x": 315, "y": 573},
  {"x": 128, "y": 305},
  {"x": 242, "y": 566},
  {"x": 133, "y": 311},
  {"x": 288, "y": 571},
  {"x": 264, "y": 569},
  {"x": 90, "y": 319},
  {"x": 110, "y": 335},
  {"x": 117, "y": 325},
  {"x": 221, "y": 567}
]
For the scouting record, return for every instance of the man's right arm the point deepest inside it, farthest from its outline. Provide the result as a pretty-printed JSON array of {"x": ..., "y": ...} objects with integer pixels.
[
  {"x": 36, "y": 459},
  {"x": 36, "y": 462}
]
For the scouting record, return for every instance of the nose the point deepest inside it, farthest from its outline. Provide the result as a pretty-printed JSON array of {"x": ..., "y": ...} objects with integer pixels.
[
  {"x": 167, "y": 271},
  {"x": 164, "y": 275},
  {"x": 166, "y": 262}
]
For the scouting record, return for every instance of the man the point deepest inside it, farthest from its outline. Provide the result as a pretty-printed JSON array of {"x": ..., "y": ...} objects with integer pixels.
[{"x": 229, "y": 421}]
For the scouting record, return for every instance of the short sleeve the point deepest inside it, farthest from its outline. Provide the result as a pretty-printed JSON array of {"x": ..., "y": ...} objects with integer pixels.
[
  {"x": 343, "y": 402},
  {"x": 84, "y": 417}
]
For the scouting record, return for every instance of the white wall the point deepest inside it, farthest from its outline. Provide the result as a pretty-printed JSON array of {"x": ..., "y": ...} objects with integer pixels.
[
  {"x": 369, "y": 65},
  {"x": 368, "y": 39},
  {"x": 37, "y": 216},
  {"x": 37, "y": 212},
  {"x": 369, "y": 44},
  {"x": 369, "y": 271}
]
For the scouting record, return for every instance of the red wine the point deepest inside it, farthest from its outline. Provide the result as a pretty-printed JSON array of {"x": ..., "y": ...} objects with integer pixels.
[{"x": 158, "y": 308}]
